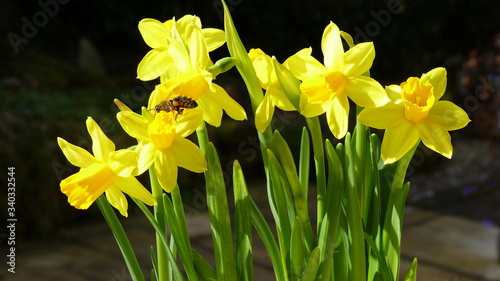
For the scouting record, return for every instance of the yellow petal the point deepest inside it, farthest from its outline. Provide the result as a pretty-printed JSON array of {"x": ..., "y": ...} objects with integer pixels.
[
  {"x": 154, "y": 64},
  {"x": 166, "y": 170},
  {"x": 264, "y": 113},
  {"x": 116, "y": 198},
  {"x": 198, "y": 52},
  {"x": 435, "y": 137},
  {"x": 214, "y": 38},
  {"x": 187, "y": 20},
  {"x": 366, "y": 92},
  {"x": 212, "y": 112},
  {"x": 331, "y": 45},
  {"x": 123, "y": 162},
  {"x": 76, "y": 155},
  {"x": 179, "y": 53},
  {"x": 358, "y": 59},
  {"x": 230, "y": 106},
  {"x": 188, "y": 155},
  {"x": 188, "y": 122},
  {"x": 385, "y": 117},
  {"x": 84, "y": 187},
  {"x": 131, "y": 186},
  {"x": 309, "y": 109},
  {"x": 135, "y": 125},
  {"x": 394, "y": 92},
  {"x": 262, "y": 65},
  {"x": 153, "y": 32},
  {"x": 437, "y": 78},
  {"x": 448, "y": 115},
  {"x": 146, "y": 153},
  {"x": 303, "y": 65},
  {"x": 337, "y": 116},
  {"x": 398, "y": 141},
  {"x": 101, "y": 144}
]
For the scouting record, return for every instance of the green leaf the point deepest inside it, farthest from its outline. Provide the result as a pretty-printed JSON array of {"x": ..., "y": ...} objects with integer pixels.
[
  {"x": 154, "y": 261},
  {"x": 203, "y": 268},
  {"x": 285, "y": 159},
  {"x": 282, "y": 199},
  {"x": 392, "y": 226},
  {"x": 411, "y": 274},
  {"x": 219, "y": 217},
  {"x": 312, "y": 266},
  {"x": 304, "y": 161},
  {"x": 180, "y": 237},
  {"x": 245, "y": 67},
  {"x": 265, "y": 233},
  {"x": 297, "y": 250},
  {"x": 243, "y": 232},
  {"x": 121, "y": 238},
  {"x": 330, "y": 224}
]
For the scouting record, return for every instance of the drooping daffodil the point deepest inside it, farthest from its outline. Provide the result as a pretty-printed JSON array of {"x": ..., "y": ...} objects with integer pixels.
[
  {"x": 341, "y": 76},
  {"x": 107, "y": 171},
  {"x": 416, "y": 113}
]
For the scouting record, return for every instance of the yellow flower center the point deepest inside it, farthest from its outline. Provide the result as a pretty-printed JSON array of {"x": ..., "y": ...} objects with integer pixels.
[
  {"x": 418, "y": 99},
  {"x": 162, "y": 130},
  {"x": 326, "y": 87}
]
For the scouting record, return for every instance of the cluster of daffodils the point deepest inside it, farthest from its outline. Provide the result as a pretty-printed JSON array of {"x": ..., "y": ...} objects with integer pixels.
[{"x": 179, "y": 57}]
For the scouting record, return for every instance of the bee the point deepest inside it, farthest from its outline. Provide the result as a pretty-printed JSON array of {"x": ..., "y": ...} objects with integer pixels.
[{"x": 178, "y": 104}]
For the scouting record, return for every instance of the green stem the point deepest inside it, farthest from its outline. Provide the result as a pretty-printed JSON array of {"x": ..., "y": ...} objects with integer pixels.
[
  {"x": 202, "y": 134},
  {"x": 319, "y": 161},
  {"x": 121, "y": 239},
  {"x": 402, "y": 167},
  {"x": 157, "y": 192}
]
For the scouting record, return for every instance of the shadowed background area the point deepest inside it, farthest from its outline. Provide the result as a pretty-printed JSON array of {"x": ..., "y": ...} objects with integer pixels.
[{"x": 66, "y": 60}]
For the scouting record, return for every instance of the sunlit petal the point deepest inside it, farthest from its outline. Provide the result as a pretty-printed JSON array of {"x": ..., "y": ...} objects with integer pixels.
[
  {"x": 122, "y": 162},
  {"x": 166, "y": 170},
  {"x": 101, "y": 144},
  {"x": 212, "y": 112},
  {"x": 309, "y": 109},
  {"x": 156, "y": 62},
  {"x": 436, "y": 138},
  {"x": 188, "y": 122},
  {"x": 398, "y": 141},
  {"x": 358, "y": 59},
  {"x": 116, "y": 198},
  {"x": 303, "y": 65},
  {"x": 214, "y": 38},
  {"x": 448, "y": 115},
  {"x": 76, "y": 155},
  {"x": 198, "y": 52},
  {"x": 134, "y": 125},
  {"x": 394, "y": 92},
  {"x": 337, "y": 115},
  {"x": 388, "y": 116},
  {"x": 146, "y": 153},
  {"x": 331, "y": 45},
  {"x": 264, "y": 113},
  {"x": 366, "y": 92},
  {"x": 134, "y": 188},
  {"x": 188, "y": 155},
  {"x": 437, "y": 78},
  {"x": 153, "y": 32}
]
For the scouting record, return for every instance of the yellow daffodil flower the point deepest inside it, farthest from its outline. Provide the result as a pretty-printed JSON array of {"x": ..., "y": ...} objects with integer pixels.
[
  {"x": 106, "y": 171},
  {"x": 159, "y": 36},
  {"x": 415, "y": 112},
  {"x": 340, "y": 77},
  {"x": 274, "y": 96},
  {"x": 162, "y": 142},
  {"x": 182, "y": 55},
  {"x": 195, "y": 86}
]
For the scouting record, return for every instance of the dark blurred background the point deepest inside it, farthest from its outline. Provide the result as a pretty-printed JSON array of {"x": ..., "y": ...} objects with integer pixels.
[{"x": 65, "y": 60}]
